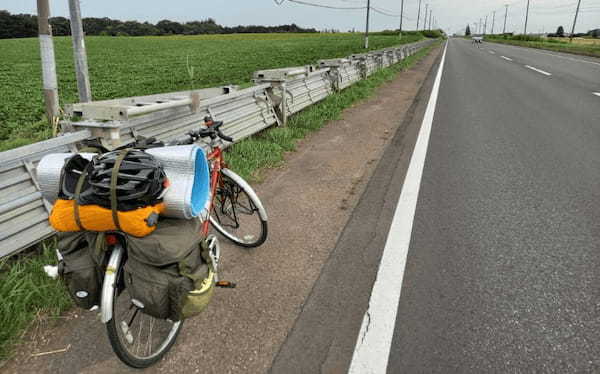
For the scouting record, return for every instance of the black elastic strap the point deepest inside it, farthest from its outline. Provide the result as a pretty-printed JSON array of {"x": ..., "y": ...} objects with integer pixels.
[
  {"x": 78, "y": 188},
  {"x": 114, "y": 177}
]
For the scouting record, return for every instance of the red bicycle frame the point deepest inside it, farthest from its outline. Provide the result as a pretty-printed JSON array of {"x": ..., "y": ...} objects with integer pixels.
[{"x": 215, "y": 159}]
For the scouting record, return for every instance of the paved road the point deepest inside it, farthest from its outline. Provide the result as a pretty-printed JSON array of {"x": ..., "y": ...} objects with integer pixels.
[
  {"x": 503, "y": 273},
  {"x": 503, "y": 266}
]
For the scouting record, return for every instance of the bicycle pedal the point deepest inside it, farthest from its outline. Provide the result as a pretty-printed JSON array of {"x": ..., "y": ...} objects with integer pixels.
[{"x": 225, "y": 284}]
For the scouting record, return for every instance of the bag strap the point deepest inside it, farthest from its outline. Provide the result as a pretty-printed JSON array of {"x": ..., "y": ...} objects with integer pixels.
[
  {"x": 78, "y": 188},
  {"x": 113, "y": 188}
]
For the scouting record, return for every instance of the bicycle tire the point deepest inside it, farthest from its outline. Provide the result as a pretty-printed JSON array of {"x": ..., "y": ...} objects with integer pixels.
[
  {"x": 121, "y": 350},
  {"x": 236, "y": 182}
]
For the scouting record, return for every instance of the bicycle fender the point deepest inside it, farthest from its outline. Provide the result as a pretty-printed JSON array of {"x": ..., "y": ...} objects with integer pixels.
[
  {"x": 110, "y": 280},
  {"x": 237, "y": 179}
]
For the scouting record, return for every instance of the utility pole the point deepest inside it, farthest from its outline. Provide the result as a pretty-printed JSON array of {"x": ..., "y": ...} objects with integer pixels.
[
  {"x": 419, "y": 15},
  {"x": 401, "y": 15},
  {"x": 574, "y": 22},
  {"x": 50, "y": 83},
  {"x": 526, "y": 17},
  {"x": 79, "y": 55},
  {"x": 367, "y": 28},
  {"x": 480, "y": 26},
  {"x": 485, "y": 25},
  {"x": 493, "y": 22},
  {"x": 430, "y": 11},
  {"x": 505, "y": 16},
  {"x": 425, "y": 18}
]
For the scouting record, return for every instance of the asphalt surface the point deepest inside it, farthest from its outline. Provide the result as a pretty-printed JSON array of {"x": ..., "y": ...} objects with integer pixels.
[
  {"x": 502, "y": 273},
  {"x": 503, "y": 267}
]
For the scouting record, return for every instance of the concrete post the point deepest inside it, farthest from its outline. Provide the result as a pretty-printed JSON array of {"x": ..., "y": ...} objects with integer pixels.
[
  {"x": 79, "y": 54},
  {"x": 50, "y": 83}
]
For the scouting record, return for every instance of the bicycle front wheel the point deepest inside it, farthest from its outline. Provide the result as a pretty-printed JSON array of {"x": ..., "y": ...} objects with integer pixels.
[
  {"x": 237, "y": 212},
  {"x": 138, "y": 339}
]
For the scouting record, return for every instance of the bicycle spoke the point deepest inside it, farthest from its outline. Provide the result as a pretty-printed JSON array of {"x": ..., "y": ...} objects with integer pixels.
[
  {"x": 138, "y": 340},
  {"x": 149, "y": 344}
]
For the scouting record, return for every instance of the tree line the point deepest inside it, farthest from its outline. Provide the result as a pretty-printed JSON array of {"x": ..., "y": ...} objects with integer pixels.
[{"x": 25, "y": 26}]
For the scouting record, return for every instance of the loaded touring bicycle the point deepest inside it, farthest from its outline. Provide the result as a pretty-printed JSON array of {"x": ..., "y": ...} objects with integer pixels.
[{"x": 134, "y": 233}]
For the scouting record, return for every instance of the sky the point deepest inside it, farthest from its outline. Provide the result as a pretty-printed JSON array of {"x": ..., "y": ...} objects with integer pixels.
[{"x": 451, "y": 15}]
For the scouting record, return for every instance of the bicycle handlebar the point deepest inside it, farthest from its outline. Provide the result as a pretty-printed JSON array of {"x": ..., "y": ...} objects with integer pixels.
[{"x": 211, "y": 131}]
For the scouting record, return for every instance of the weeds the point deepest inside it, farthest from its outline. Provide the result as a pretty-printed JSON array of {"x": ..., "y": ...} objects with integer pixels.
[
  {"x": 26, "y": 292},
  {"x": 548, "y": 44}
]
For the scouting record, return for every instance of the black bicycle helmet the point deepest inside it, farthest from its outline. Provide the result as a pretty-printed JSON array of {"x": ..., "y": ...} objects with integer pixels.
[
  {"x": 70, "y": 174},
  {"x": 140, "y": 180}
]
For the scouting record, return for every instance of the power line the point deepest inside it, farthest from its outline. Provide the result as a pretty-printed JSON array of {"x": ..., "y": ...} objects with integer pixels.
[
  {"x": 381, "y": 11},
  {"x": 387, "y": 13},
  {"x": 279, "y": 2}
]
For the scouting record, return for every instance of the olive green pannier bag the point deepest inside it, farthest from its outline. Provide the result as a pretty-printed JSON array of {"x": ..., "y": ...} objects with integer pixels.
[
  {"x": 168, "y": 274},
  {"x": 81, "y": 267}
]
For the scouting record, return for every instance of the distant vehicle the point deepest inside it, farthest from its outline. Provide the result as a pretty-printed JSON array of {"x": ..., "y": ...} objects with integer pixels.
[{"x": 477, "y": 39}]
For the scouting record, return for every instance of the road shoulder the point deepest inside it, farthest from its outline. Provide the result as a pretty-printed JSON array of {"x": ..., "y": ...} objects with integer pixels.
[{"x": 325, "y": 332}]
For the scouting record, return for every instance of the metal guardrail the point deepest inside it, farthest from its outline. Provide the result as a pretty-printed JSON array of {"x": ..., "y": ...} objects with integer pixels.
[
  {"x": 277, "y": 94},
  {"x": 294, "y": 89},
  {"x": 368, "y": 63},
  {"x": 23, "y": 211},
  {"x": 126, "y": 108},
  {"x": 343, "y": 72},
  {"x": 244, "y": 112}
]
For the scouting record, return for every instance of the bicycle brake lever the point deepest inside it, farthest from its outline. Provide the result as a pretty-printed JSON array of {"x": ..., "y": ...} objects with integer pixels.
[{"x": 224, "y": 137}]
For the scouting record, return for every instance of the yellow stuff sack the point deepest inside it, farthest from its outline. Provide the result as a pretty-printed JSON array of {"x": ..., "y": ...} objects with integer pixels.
[{"x": 139, "y": 222}]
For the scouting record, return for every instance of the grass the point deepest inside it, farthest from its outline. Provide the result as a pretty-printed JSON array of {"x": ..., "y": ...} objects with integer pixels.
[
  {"x": 132, "y": 66},
  {"x": 26, "y": 294},
  {"x": 266, "y": 150},
  {"x": 585, "y": 41},
  {"x": 554, "y": 44}
]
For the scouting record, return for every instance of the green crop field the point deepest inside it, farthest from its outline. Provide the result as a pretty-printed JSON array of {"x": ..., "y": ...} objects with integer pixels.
[
  {"x": 580, "y": 46},
  {"x": 131, "y": 66}
]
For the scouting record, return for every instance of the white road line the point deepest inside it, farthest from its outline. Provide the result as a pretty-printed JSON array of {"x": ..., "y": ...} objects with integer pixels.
[
  {"x": 375, "y": 338},
  {"x": 596, "y": 93},
  {"x": 492, "y": 52},
  {"x": 506, "y": 58},
  {"x": 538, "y": 70}
]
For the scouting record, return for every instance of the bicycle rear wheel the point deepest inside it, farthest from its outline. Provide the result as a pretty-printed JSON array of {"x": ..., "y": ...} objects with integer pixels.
[
  {"x": 138, "y": 339},
  {"x": 237, "y": 212}
]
